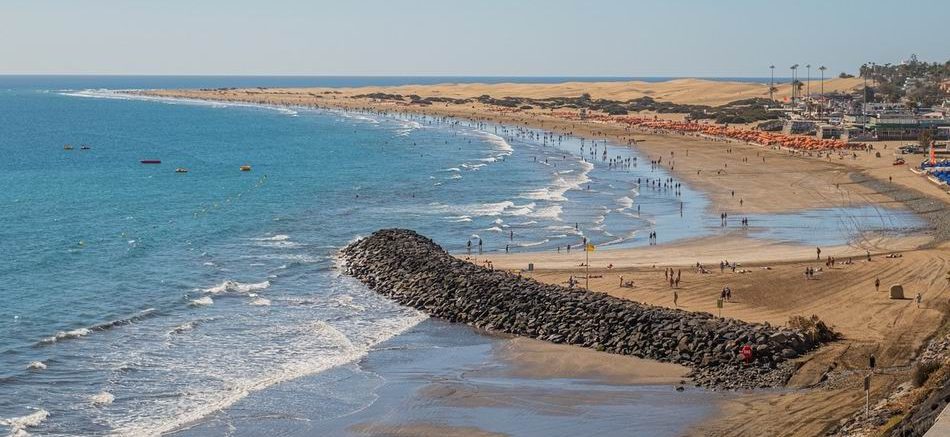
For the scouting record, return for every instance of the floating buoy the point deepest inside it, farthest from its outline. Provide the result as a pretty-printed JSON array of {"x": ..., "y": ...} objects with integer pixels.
[
  {"x": 181, "y": 170},
  {"x": 245, "y": 168}
]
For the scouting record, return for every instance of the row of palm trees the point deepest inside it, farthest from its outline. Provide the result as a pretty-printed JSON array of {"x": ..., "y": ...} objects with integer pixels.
[{"x": 797, "y": 84}]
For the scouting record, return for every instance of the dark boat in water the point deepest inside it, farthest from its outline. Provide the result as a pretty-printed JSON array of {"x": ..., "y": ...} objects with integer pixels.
[{"x": 151, "y": 161}]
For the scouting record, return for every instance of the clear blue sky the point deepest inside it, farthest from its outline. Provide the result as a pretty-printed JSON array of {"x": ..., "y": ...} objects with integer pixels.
[{"x": 449, "y": 37}]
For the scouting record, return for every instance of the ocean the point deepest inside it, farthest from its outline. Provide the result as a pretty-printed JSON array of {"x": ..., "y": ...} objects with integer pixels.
[{"x": 138, "y": 300}]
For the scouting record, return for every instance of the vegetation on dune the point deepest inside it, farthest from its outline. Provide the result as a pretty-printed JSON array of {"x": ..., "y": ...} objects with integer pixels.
[{"x": 914, "y": 82}]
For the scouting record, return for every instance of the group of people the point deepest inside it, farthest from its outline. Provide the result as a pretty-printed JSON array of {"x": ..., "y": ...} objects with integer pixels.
[
  {"x": 726, "y": 294},
  {"x": 810, "y": 272},
  {"x": 723, "y": 265},
  {"x": 653, "y": 238},
  {"x": 673, "y": 278}
]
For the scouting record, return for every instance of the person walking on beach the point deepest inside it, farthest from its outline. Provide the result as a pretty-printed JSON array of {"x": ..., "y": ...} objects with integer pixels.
[
  {"x": 917, "y": 299},
  {"x": 877, "y": 284},
  {"x": 468, "y": 246},
  {"x": 506, "y": 248},
  {"x": 818, "y": 250},
  {"x": 479, "y": 246},
  {"x": 676, "y": 298}
]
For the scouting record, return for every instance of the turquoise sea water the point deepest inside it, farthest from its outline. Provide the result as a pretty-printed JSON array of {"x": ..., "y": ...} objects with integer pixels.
[{"x": 136, "y": 299}]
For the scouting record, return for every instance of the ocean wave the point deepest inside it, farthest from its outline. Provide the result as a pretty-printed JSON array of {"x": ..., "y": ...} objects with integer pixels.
[
  {"x": 278, "y": 237},
  {"x": 473, "y": 167},
  {"x": 82, "y": 332},
  {"x": 527, "y": 223},
  {"x": 533, "y": 243},
  {"x": 202, "y": 301},
  {"x": 18, "y": 425},
  {"x": 347, "y": 301},
  {"x": 500, "y": 144},
  {"x": 459, "y": 219},
  {"x": 126, "y": 95},
  {"x": 344, "y": 351},
  {"x": 552, "y": 212},
  {"x": 453, "y": 169},
  {"x": 102, "y": 398},
  {"x": 188, "y": 326},
  {"x": 36, "y": 365},
  {"x": 625, "y": 202},
  {"x": 561, "y": 185},
  {"x": 230, "y": 286},
  {"x": 519, "y": 210},
  {"x": 260, "y": 301},
  {"x": 495, "y": 229}
]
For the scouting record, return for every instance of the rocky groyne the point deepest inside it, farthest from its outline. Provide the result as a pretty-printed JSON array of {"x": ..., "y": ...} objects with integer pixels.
[{"x": 414, "y": 271}]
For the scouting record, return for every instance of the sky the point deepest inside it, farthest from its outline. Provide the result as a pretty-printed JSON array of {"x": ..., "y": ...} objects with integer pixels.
[{"x": 713, "y": 38}]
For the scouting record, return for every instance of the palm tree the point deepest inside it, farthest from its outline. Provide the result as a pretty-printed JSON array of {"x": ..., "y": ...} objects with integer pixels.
[
  {"x": 794, "y": 79},
  {"x": 771, "y": 81},
  {"x": 808, "y": 83},
  {"x": 822, "y": 71}
]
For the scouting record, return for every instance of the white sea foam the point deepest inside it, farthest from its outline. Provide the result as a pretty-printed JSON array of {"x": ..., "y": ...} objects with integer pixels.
[
  {"x": 459, "y": 219},
  {"x": 499, "y": 143},
  {"x": 102, "y": 398},
  {"x": 260, "y": 302},
  {"x": 67, "y": 335},
  {"x": 347, "y": 301},
  {"x": 625, "y": 202},
  {"x": 527, "y": 223},
  {"x": 127, "y": 95},
  {"x": 82, "y": 332},
  {"x": 18, "y": 425},
  {"x": 278, "y": 237},
  {"x": 533, "y": 243},
  {"x": 561, "y": 185},
  {"x": 344, "y": 350},
  {"x": 202, "y": 301},
  {"x": 455, "y": 177},
  {"x": 453, "y": 169},
  {"x": 552, "y": 212},
  {"x": 36, "y": 365},
  {"x": 237, "y": 287},
  {"x": 519, "y": 210},
  {"x": 495, "y": 229}
]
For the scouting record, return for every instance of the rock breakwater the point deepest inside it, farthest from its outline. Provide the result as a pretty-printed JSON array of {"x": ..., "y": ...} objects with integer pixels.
[{"x": 414, "y": 271}]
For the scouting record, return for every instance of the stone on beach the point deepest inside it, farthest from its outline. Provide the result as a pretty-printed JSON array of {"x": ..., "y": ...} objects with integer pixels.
[{"x": 414, "y": 271}]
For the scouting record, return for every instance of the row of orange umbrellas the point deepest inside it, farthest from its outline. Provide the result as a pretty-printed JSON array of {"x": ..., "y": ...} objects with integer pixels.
[{"x": 797, "y": 142}]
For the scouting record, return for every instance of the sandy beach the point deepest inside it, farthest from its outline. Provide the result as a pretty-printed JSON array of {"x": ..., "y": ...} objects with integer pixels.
[{"x": 768, "y": 285}]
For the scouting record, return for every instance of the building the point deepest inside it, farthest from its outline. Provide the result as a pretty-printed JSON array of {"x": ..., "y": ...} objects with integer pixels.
[{"x": 827, "y": 131}]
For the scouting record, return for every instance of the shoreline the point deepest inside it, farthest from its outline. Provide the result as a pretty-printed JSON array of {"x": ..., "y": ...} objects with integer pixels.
[{"x": 814, "y": 182}]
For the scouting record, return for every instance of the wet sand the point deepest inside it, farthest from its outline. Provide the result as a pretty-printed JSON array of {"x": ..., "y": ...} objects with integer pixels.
[{"x": 447, "y": 379}]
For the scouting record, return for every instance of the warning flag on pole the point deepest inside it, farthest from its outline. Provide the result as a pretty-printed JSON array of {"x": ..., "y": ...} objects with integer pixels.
[{"x": 589, "y": 247}]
